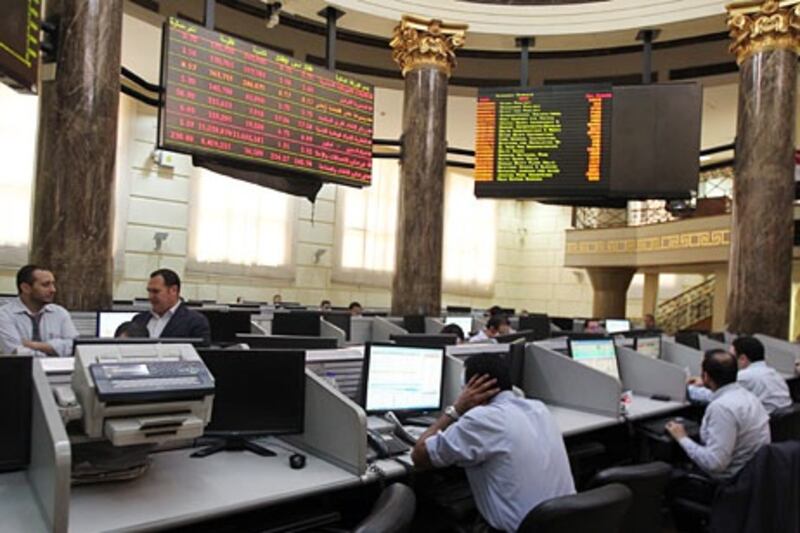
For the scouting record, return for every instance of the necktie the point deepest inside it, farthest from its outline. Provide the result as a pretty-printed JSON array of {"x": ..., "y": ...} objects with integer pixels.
[{"x": 36, "y": 335}]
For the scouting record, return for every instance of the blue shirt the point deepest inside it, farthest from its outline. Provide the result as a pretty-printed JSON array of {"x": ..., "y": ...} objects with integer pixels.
[
  {"x": 55, "y": 328},
  {"x": 513, "y": 455}
]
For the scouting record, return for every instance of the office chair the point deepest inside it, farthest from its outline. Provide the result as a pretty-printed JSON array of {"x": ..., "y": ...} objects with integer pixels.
[
  {"x": 393, "y": 512},
  {"x": 599, "y": 510},
  {"x": 648, "y": 483},
  {"x": 784, "y": 423}
]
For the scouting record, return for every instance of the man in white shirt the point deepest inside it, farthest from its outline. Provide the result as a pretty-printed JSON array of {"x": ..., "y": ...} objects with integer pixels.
[
  {"x": 496, "y": 325},
  {"x": 735, "y": 425},
  {"x": 32, "y": 324},
  {"x": 511, "y": 449},
  {"x": 754, "y": 375}
]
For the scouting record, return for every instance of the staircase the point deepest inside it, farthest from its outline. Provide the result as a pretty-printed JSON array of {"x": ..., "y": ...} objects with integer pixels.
[{"x": 688, "y": 309}]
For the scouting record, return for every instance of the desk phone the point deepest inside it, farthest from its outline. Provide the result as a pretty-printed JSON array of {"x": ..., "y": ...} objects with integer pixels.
[{"x": 151, "y": 381}]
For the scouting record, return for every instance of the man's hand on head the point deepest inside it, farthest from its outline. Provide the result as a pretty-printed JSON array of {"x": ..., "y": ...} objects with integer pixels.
[{"x": 477, "y": 391}]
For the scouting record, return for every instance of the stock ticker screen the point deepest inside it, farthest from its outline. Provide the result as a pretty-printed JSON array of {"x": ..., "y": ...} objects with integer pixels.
[
  {"x": 229, "y": 99},
  {"x": 548, "y": 139}
]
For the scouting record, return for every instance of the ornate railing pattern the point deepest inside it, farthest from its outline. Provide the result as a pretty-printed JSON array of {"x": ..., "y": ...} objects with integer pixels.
[{"x": 689, "y": 307}]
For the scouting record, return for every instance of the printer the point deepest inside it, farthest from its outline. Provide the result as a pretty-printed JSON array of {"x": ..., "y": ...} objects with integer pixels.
[{"x": 134, "y": 394}]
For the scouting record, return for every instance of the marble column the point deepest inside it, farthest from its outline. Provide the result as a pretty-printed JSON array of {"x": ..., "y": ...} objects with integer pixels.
[
  {"x": 719, "y": 311},
  {"x": 425, "y": 52},
  {"x": 610, "y": 291},
  {"x": 74, "y": 188},
  {"x": 650, "y": 294},
  {"x": 765, "y": 41}
]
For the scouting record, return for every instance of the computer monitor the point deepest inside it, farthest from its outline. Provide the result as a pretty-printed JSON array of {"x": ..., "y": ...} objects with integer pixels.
[
  {"x": 109, "y": 321},
  {"x": 16, "y": 397},
  {"x": 688, "y": 338},
  {"x": 600, "y": 354},
  {"x": 522, "y": 335},
  {"x": 225, "y": 324},
  {"x": 464, "y": 322},
  {"x": 296, "y": 323},
  {"x": 297, "y": 342},
  {"x": 256, "y": 393},
  {"x": 562, "y": 323},
  {"x": 617, "y": 325},
  {"x": 340, "y": 319},
  {"x": 458, "y": 310},
  {"x": 538, "y": 323},
  {"x": 421, "y": 339},
  {"x": 402, "y": 379},
  {"x": 649, "y": 346},
  {"x": 414, "y": 323}
]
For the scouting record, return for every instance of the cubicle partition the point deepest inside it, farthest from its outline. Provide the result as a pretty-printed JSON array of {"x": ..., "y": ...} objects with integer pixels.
[
  {"x": 433, "y": 325},
  {"x": 335, "y": 426},
  {"x": 555, "y": 379},
  {"x": 707, "y": 343},
  {"x": 360, "y": 330},
  {"x": 650, "y": 377},
  {"x": 326, "y": 329},
  {"x": 682, "y": 356},
  {"x": 383, "y": 328}
]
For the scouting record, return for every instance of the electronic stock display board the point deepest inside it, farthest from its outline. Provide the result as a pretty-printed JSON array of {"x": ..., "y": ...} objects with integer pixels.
[
  {"x": 19, "y": 43},
  {"x": 232, "y": 100}
]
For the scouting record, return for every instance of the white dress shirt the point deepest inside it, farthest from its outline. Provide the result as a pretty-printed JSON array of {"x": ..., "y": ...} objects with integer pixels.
[
  {"x": 481, "y": 336},
  {"x": 734, "y": 428},
  {"x": 156, "y": 324},
  {"x": 765, "y": 382},
  {"x": 513, "y": 455},
  {"x": 55, "y": 328}
]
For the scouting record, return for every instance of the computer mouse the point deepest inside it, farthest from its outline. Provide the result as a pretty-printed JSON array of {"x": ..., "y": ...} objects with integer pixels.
[{"x": 297, "y": 461}]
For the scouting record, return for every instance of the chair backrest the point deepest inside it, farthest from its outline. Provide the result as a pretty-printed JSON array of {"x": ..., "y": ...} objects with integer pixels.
[
  {"x": 393, "y": 512},
  {"x": 647, "y": 482},
  {"x": 784, "y": 423},
  {"x": 600, "y": 510}
]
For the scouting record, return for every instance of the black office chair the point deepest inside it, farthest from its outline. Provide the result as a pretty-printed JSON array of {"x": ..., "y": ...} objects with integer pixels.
[
  {"x": 648, "y": 483},
  {"x": 784, "y": 423},
  {"x": 393, "y": 512},
  {"x": 599, "y": 510}
]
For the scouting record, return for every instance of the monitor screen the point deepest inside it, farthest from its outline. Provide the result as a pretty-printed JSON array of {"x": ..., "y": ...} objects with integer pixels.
[
  {"x": 256, "y": 392},
  {"x": 298, "y": 342},
  {"x": 109, "y": 321},
  {"x": 296, "y": 323},
  {"x": 617, "y": 325},
  {"x": 400, "y": 378},
  {"x": 414, "y": 323},
  {"x": 340, "y": 319},
  {"x": 464, "y": 322},
  {"x": 538, "y": 323},
  {"x": 649, "y": 346},
  {"x": 227, "y": 98},
  {"x": 225, "y": 324},
  {"x": 421, "y": 339},
  {"x": 16, "y": 390},
  {"x": 599, "y": 354}
]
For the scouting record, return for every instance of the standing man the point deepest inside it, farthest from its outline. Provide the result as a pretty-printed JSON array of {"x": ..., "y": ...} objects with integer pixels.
[
  {"x": 32, "y": 324},
  {"x": 169, "y": 316},
  {"x": 511, "y": 449}
]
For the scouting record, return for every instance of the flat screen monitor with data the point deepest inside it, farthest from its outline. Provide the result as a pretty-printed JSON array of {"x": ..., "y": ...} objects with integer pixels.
[
  {"x": 617, "y": 325},
  {"x": 649, "y": 346},
  {"x": 599, "y": 354},
  {"x": 403, "y": 379},
  {"x": 464, "y": 322},
  {"x": 109, "y": 321}
]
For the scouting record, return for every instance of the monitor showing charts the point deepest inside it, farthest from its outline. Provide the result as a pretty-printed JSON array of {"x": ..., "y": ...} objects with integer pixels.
[
  {"x": 402, "y": 378},
  {"x": 617, "y": 325},
  {"x": 109, "y": 321},
  {"x": 599, "y": 354},
  {"x": 464, "y": 322},
  {"x": 649, "y": 346}
]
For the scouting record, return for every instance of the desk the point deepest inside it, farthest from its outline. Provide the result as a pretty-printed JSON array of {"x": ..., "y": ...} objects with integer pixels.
[
  {"x": 19, "y": 510},
  {"x": 644, "y": 407},
  {"x": 573, "y": 422},
  {"x": 180, "y": 490}
]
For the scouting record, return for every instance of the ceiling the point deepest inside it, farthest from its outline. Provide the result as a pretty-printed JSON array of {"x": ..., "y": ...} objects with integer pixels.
[{"x": 494, "y": 25}]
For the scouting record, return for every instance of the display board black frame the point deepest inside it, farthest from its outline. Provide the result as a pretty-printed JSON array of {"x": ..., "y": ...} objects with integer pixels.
[{"x": 20, "y": 44}]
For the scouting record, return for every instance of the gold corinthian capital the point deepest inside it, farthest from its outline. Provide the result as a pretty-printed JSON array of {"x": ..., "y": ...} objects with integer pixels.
[
  {"x": 757, "y": 25},
  {"x": 417, "y": 42}
]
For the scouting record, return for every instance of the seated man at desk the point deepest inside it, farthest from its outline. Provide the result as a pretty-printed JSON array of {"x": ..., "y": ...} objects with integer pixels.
[
  {"x": 32, "y": 324},
  {"x": 511, "y": 448},
  {"x": 735, "y": 425},
  {"x": 754, "y": 375},
  {"x": 496, "y": 325},
  {"x": 169, "y": 316}
]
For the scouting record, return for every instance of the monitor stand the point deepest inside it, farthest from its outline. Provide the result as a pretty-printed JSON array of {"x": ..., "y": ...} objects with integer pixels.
[{"x": 234, "y": 444}]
